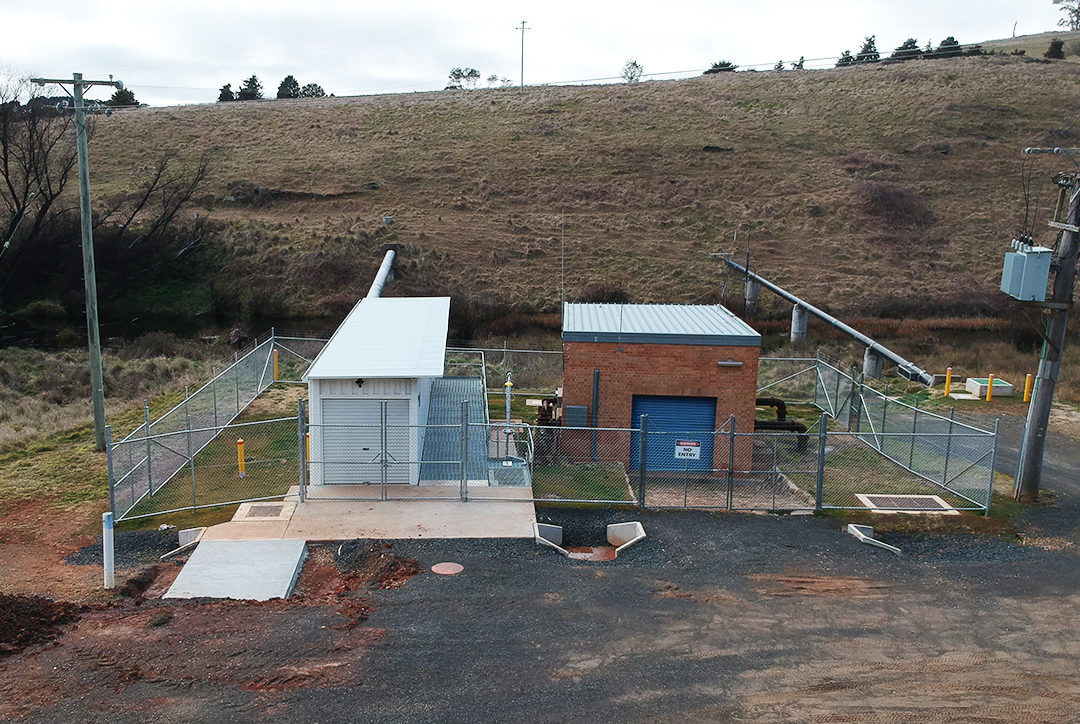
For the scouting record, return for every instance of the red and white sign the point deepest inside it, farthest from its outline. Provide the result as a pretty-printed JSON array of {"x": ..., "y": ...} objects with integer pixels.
[{"x": 687, "y": 450}]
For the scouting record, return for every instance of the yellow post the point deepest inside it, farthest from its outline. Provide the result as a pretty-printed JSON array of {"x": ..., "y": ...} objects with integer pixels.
[
  {"x": 275, "y": 366},
  {"x": 948, "y": 380},
  {"x": 240, "y": 454},
  {"x": 1028, "y": 384},
  {"x": 308, "y": 436},
  {"x": 989, "y": 388}
]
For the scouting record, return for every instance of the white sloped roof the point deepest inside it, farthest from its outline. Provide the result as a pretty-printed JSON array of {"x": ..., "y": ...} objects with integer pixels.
[{"x": 387, "y": 337}]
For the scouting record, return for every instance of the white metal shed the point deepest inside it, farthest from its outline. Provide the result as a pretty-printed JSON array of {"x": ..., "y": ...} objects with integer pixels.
[{"x": 369, "y": 389}]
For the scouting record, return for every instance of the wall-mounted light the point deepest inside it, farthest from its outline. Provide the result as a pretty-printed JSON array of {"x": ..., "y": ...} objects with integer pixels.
[
  {"x": 728, "y": 363},
  {"x": 359, "y": 383}
]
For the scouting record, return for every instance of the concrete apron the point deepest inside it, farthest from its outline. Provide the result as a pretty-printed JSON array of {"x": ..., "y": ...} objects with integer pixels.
[{"x": 321, "y": 519}]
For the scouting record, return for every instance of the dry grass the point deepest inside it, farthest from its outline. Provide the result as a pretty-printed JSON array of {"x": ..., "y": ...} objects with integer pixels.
[
  {"x": 481, "y": 184},
  {"x": 42, "y": 393}
]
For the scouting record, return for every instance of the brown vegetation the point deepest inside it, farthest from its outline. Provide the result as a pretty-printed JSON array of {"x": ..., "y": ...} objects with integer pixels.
[{"x": 852, "y": 186}]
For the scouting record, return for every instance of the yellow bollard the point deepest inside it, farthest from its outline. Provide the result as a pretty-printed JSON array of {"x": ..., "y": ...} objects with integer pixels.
[
  {"x": 989, "y": 388},
  {"x": 308, "y": 436},
  {"x": 1028, "y": 384},
  {"x": 275, "y": 366},
  {"x": 948, "y": 380},
  {"x": 240, "y": 454}
]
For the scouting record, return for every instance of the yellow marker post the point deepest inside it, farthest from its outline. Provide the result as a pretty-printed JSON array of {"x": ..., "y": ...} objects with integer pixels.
[
  {"x": 275, "y": 366},
  {"x": 948, "y": 380},
  {"x": 1028, "y": 384},
  {"x": 240, "y": 455},
  {"x": 989, "y": 388},
  {"x": 308, "y": 436}
]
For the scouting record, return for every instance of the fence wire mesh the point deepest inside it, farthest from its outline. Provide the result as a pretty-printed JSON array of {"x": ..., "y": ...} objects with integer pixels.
[
  {"x": 868, "y": 451},
  {"x": 159, "y": 451}
]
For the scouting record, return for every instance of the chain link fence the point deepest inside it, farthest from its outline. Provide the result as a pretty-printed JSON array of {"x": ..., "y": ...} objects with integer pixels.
[
  {"x": 183, "y": 439},
  {"x": 867, "y": 450}
]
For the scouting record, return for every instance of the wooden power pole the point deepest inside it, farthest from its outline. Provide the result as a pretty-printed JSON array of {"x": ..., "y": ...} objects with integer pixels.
[
  {"x": 1056, "y": 316},
  {"x": 97, "y": 383}
]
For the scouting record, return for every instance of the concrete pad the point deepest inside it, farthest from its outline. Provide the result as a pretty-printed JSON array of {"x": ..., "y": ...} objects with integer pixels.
[
  {"x": 247, "y": 530},
  {"x": 252, "y": 570},
  {"x": 400, "y": 519}
]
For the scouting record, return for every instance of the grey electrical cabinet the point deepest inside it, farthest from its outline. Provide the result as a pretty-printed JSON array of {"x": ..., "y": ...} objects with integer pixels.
[{"x": 1026, "y": 272}]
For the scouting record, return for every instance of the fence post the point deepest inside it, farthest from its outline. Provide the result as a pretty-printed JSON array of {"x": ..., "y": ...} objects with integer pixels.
[
  {"x": 109, "y": 464},
  {"x": 642, "y": 459},
  {"x": 464, "y": 451},
  {"x": 213, "y": 391},
  {"x": 993, "y": 463},
  {"x": 884, "y": 410},
  {"x": 301, "y": 446},
  {"x": 383, "y": 462},
  {"x": 191, "y": 456},
  {"x": 914, "y": 429},
  {"x": 856, "y": 401},
  {"x": 948, "y": 449},
  {"x": 731, "y": 461},
  {"x": 236, "y": 384},
  {"x": 822, "y": 437},
  {"x": 146, "y": 423}
]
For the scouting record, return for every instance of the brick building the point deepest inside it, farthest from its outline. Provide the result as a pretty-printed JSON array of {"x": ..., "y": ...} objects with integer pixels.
[{"x": 688, "y": 367}]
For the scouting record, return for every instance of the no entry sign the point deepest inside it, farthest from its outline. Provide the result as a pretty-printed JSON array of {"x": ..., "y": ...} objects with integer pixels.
[{"x": 687, "y": 450}]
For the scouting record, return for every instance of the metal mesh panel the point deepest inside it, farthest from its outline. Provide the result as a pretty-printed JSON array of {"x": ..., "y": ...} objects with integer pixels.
[
  {"x": 150, "y": 456},
  {"x": 211, "y": 475},
  {"x": 582, "y": 464},
  {"x": 791, "y": 379}
]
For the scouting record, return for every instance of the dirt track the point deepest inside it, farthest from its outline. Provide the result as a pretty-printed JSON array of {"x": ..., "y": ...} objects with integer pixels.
[{"x": 712, "y": 618}]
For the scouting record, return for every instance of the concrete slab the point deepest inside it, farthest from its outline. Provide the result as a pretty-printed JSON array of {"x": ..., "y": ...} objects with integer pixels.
[{"x": 253, "y": 570}]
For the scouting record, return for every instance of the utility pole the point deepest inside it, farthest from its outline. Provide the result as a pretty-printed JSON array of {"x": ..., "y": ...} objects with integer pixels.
[
  {"x": 89, "y": 275},
  {"x": 1033, "y": 443},
  {"x": 523, "y": 28}
]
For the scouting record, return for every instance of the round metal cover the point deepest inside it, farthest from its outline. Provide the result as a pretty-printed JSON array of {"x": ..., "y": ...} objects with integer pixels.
[{"x": 447, "y": 569}]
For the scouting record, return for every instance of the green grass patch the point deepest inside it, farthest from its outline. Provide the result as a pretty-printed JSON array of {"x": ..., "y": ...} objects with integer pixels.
[{"x": 594, "y": 481}]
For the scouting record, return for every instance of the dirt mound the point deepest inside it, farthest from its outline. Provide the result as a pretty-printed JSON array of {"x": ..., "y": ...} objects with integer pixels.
[{"x": 29, "y": 620}]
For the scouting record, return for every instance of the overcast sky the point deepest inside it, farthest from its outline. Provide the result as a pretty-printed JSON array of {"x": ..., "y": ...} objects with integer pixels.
[{"x": 172, "y": 52}]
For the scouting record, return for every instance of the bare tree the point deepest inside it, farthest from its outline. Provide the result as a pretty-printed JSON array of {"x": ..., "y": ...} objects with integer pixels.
[
  {"x": 1071, "y": 8},
  {"x": 37, "y": 154}
]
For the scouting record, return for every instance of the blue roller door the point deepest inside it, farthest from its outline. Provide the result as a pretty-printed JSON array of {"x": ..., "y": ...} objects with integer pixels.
[{"x": 674, "y": 419}]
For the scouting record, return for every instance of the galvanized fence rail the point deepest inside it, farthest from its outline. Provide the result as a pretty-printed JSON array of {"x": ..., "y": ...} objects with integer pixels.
[
  {"x": 158, "y": 451},
  {"x": 866, "y": 450}
]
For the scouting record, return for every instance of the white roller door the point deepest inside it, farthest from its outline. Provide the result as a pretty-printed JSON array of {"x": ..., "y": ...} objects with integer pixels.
[{"x": 352, "y": 441}]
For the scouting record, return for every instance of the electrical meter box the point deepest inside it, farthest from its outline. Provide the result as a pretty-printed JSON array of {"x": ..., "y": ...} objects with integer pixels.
[{"x": 1026, "y": 272}]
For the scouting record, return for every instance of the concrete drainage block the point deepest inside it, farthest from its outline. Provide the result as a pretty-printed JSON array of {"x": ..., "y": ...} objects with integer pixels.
[
  {"x": 865, "y": 534},
  {"x": 620, "y": 536}
]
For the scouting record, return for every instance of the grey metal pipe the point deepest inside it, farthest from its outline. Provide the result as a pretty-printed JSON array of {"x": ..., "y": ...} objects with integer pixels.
[
  {"x": 383, "y": 275},
  {"x": 908, "y": 369}
]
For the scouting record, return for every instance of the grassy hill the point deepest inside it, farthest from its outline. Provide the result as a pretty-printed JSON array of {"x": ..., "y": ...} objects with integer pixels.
[{"x": 876, "y": 190}]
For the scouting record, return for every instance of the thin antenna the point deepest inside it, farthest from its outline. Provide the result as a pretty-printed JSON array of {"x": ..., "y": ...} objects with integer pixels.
[{"x": 621, "y": 308}]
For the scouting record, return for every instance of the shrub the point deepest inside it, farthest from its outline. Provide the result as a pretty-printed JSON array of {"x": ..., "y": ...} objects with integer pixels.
[{"x": 893, "y": 204}]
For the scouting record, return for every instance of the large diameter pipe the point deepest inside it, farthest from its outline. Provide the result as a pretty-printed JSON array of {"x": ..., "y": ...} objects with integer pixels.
[
  {"x": 907, "y": 369},
  {"x": 383, "y": 275}
]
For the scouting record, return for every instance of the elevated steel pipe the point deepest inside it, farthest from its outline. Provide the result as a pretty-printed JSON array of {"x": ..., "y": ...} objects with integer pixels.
[
  {"x": 907, "y": 369},
  {"x": 384, "y": 273}
]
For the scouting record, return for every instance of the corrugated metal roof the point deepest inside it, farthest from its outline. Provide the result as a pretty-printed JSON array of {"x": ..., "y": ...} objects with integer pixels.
[
  {"x": 656, "y": 324},
  {"x": 387, "y": 337}
]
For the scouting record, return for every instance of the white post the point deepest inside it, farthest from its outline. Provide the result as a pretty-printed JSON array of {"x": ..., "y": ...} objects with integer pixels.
[{"x": 107, "y": 549}]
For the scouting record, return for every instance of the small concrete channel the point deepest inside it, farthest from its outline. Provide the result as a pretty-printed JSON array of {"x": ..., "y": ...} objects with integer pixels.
[{"x": 620, "y": 536}]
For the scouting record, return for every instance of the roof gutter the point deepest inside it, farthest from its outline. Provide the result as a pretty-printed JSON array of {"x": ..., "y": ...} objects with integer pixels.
[{"x": 908, "y": 370}]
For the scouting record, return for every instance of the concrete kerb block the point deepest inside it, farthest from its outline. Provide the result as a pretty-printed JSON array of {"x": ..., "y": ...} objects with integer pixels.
[{"x": 865, "y": 534}]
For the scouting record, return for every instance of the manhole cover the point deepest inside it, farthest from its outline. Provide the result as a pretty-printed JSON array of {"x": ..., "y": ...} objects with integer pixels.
[
  {"x": 447, "y": 569},
  {"x": 265, "y": 511}
]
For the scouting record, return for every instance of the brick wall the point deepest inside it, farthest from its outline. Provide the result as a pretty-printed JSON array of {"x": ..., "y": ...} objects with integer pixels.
[{"x": 661, "y": 369}]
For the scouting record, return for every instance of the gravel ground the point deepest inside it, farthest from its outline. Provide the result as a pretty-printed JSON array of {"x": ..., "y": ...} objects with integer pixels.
[{"x": 132, "y": 548}]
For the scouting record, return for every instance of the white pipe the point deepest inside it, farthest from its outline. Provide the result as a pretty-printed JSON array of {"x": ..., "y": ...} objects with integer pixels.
[
  {"x": 384, "y": 273},
  {"x": 107, "y": 549}
]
